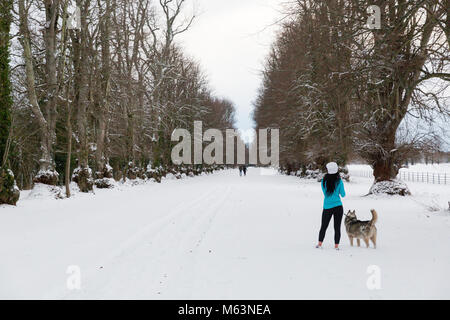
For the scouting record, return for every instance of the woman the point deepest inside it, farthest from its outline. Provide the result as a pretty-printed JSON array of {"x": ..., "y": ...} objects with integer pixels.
[{"x": 333, "y": 189}]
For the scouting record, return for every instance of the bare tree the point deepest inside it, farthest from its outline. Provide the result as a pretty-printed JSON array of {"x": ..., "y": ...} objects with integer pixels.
[
  {"x": 104, "y": 170},
  {"x": 45, "y": 113},
  {"x": 394, "y": 61}
]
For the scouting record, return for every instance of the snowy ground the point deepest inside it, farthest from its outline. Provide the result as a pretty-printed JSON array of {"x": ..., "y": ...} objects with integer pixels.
[{"x": 222, "y": 237}]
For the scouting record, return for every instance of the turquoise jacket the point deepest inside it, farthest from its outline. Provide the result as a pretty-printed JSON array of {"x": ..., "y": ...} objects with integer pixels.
[{"x": 333, "y": 200}]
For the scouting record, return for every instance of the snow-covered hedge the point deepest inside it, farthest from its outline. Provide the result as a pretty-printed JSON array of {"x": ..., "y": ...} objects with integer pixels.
[
  {"x": 9, "y": 193},
  {"x": 105, "y": 183},
  {"x": 311, "y": 171},
  {"x": 49, "y": 177},
  {"x": 104, "y": 178},
  {"x": 83, "y": 177},
  {"x": 180, "y": 172},
  {"x": 392, "y": 187}
]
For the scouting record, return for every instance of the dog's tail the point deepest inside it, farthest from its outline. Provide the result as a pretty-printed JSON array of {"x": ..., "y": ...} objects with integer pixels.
[{"x": 374, "y": 217}]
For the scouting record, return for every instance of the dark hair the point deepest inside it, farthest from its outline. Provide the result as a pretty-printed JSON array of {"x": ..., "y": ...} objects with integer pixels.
[{"x": 330, "y": 182}]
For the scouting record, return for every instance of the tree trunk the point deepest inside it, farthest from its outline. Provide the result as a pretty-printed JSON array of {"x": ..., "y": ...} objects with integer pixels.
[
  {"x": 82, "y": 175},
  {"x": 385, "y": 170},
  {"x": 386, "y": 164},
  {"x": 47, "y": 173},
  {"x": 69, "y": 148},
  {"x": 50, "y": 107},
  {"x": 101, "y": 158}
]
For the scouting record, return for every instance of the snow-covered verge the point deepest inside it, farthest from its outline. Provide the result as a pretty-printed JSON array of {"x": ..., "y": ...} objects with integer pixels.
[
  {"x": 45, "y": 192},
  {"x": 222, "y": 237}
]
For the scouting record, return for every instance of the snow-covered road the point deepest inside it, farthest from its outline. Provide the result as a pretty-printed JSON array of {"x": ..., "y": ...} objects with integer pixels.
[{"x": 222, "y": 237}]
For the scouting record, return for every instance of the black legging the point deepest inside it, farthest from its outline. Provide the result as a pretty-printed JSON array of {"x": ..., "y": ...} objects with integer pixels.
[{"x": 337, "y": 212}]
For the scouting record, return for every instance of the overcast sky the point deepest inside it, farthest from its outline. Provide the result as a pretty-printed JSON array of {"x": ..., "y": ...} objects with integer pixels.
[{"x": 230, "y": 39}]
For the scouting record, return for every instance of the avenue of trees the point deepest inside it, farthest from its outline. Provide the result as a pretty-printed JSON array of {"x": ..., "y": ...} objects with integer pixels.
[
  {"x": 92, "y": 90},
  {"x": 93, "y": 95},
  {"x": 338, "y": 88}
]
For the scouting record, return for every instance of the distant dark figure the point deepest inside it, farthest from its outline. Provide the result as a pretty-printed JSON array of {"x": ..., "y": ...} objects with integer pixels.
[
  {"x": 244, "y": 168},
  {"x": 240, "y": 170}
]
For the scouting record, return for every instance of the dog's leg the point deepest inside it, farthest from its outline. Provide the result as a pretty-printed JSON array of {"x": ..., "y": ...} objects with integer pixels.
[
  {"x": 374, "y": 240},
  {"x": 351, "y": 240},
  {"x": 366, "y": 240},
  {"x": 359, "y": 242}
]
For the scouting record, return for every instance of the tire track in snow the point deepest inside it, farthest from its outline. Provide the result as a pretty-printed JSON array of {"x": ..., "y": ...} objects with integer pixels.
[
  {"x": 148, "y": 237},
  {"x": 183, "y": 275}
]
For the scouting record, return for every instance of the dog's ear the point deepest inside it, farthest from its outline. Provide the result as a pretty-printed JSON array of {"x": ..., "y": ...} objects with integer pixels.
[{"x": 354, "y": 211}]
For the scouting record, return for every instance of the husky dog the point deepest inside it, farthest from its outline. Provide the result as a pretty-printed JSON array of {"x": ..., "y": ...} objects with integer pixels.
[{"x": 361, "y": 229}]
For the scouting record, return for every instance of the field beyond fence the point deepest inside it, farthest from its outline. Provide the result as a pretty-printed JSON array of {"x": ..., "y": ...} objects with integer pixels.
[{"x": 423, "y": 177}]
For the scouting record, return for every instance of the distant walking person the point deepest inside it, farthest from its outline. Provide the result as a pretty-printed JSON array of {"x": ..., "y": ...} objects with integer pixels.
[
  {"x": 244, "y": 168},
  {"x": 240, "y": 171},
  {"x": 333, "y": 190}
]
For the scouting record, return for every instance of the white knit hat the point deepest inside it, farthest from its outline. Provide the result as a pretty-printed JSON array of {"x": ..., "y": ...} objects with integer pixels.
[{"x": 332, "y": 168}]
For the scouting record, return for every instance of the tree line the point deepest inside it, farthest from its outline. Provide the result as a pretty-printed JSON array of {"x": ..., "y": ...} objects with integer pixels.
[
  {"x": 338, "y": 88},
  {"x": 95, "y": 93}
]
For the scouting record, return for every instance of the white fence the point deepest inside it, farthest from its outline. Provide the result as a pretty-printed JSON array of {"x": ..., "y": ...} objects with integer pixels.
[{"x": 423, "y": 177}]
